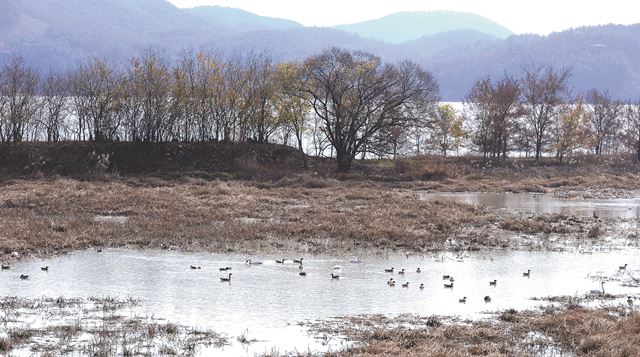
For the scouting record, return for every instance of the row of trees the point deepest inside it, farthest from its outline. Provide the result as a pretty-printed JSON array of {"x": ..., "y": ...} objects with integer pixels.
[
  {"x": 357, "y": 101},
  {"x": 341, "y": 103},
  {"x": 538, "y": 114}
]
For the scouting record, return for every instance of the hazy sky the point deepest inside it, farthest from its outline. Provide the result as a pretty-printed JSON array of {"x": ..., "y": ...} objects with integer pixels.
[{"x": 528, "y": 16}]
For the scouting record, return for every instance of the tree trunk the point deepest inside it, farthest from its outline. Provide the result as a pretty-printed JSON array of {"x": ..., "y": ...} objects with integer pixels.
[{"x": 344, "y": 161}]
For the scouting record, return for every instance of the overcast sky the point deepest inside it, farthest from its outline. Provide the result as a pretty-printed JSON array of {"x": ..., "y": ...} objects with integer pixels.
[{"x": 528, "y": 16}]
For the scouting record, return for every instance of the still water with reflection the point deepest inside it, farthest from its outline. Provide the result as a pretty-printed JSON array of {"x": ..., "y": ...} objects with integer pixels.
[
  {"x": 544, "y": 203},
  {"x": 268, "y": 300}
]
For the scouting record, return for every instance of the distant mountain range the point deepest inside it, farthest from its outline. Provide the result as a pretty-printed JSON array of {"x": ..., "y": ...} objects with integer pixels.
[
  {"x": 407, "y": 26},
  {"x": 457, "y": 48},
  {"x": 240, "y": 20}
]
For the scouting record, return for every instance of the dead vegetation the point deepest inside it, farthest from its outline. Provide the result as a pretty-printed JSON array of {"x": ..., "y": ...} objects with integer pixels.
[
  {"x": 52, "y": 216},
  {"x": 95, "y": 327},
  {"x": 565, "y": 329},
  {"x": 315, "y": 215}
]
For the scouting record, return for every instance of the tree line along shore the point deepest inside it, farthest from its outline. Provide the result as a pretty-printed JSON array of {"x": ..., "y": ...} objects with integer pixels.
[{"x": 338, "y": 103}]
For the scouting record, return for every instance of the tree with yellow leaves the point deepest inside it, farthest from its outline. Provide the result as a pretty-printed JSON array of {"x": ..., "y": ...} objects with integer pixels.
[{"x": 570, "y": 130}]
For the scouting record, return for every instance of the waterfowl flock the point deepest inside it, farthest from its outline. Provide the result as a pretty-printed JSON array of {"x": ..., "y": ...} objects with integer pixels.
[{"x": 336, "y": 271}]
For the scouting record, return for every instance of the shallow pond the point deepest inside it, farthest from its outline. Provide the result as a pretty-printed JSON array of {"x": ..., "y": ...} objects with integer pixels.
[
  {"x": 543, "y": 203},
  {"x": 268, "y": 300}
]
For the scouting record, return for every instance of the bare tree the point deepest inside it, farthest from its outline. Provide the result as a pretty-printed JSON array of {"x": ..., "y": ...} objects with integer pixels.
[
  {"x": 493, "y": 108},
  {"x": 632, "y": 116},
  {"x": 544, "y": 90},
  {"x": 356, "y": 96},
  {"x": 603, "y": 118},
  {"x": 55, "y": 103},
  {"x": 95, "y": 89},
  {"x": 18, "y": 99}
]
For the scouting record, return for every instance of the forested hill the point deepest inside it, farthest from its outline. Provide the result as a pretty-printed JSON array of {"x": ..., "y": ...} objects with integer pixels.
[{"x": 59, "y": 34}]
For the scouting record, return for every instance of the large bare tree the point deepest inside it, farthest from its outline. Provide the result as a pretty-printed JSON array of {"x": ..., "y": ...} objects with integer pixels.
[{"x": 357, "y": 96}]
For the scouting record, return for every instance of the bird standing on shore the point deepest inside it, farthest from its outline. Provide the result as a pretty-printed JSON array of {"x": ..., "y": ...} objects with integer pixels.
[{"x": 598, "y": 292}]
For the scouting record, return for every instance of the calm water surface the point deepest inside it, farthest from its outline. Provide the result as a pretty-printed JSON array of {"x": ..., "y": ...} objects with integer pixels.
[
  {"x": 543, "y": 203},
  {"x": 268, "y": 300}
]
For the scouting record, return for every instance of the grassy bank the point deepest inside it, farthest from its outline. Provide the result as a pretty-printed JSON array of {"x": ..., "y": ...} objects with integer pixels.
[{"x": 281, "y": 165}]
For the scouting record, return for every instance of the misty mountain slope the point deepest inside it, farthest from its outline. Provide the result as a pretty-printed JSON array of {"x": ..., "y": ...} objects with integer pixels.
[
  {"x": 299, "y": 43},
  {"x": 47, "y": 32},
  {"x": 240, "y": 20},
  {"x": 604, "y": 57},
  {"x": 433, "y": 44},
  {"x": 407, "y": 26}
]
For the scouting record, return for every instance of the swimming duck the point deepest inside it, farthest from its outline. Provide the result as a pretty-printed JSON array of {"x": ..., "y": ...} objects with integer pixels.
[
  {"x": 195, "y": 267},
  {"x": 405, "y": 285},
  {"x": 401, "y": 272},
  {"x": 388, "y": 270},
  {"x": 451, "y": 279},
  {"x": 44, "y": 268},
  {"x": 252, "y": 262},
  {"x": 421, "y": 286},
  {"x": 356, "y": 260},
  {"x": 99, "y": 250},
  {"x": 227, "y": 279},
  {"x": 527, "y": 274},
  {"x": 24, "y": 277},
  {"x": 463, "y": 300},
  {"x": 448, "y": 286},
  {"x": 493, "y": 283},
  {"x": 337, "y": 267},
  {"x": 624, "y": 267},
  {"x": 446, "y": 277},
  {"x": 487, "y": 299},
  {"x": 299, "y": 261},
  {"x": 5, "y": 267},
  {"x": 280, "y": 261},
  {"x": 391, "y": 283},
  {"x": 335, "y": 276},
  {"x": 418, "y": 270},
  {"x": 302, "y": 273},
  {"x": 224, "y": 268}
]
